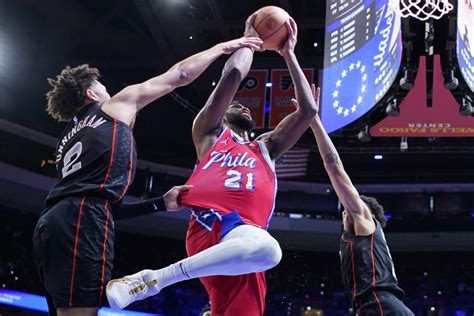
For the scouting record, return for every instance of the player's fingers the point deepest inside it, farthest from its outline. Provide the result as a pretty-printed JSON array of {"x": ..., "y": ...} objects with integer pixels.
[
  {"x": 313, "y": 90},
  {"x": 294, "y": 102},
  {"x": 184, "y": 188},
  {"x": 294, "y": 26},
  {"x": 253, "y": 43},
  {"x": 253, "y": 39},
  {"x": 290, "y": 29},
  {"x": 253, "y": 46},
  {"x": 250, "y": 19}
]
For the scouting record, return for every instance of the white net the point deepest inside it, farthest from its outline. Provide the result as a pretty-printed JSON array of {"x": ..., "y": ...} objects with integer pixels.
[{"x": 421, "y": 9}]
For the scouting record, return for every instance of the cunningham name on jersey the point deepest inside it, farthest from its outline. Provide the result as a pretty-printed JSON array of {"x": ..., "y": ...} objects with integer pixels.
[{"x": 93, "y": 122}]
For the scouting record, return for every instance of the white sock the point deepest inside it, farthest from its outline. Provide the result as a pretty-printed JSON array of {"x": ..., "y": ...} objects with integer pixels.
[
  {"x": 243, "y": 250},
  {"x": 171, "y": 274}
]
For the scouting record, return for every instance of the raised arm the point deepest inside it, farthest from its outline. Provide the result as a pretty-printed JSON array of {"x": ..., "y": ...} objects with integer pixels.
[
  {"x": 208, "y": 122},
  {"x": 125, "y": 104},
  {"x": 290, "y": 129},
  {"x": 342, "y": 184}
]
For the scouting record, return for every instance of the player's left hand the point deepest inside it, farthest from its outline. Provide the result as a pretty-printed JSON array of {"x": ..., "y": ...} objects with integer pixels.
[
  {"x": 249, "y": 29},
  {"x": 253, "y": 43},
  {"x": 292, "y": 38},
  {"x": 172, "y": 197}
]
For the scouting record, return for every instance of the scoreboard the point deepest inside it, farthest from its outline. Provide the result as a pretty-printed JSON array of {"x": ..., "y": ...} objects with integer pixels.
[
  {"x": 361, "y": 60},
  {"x": 465, "y": 41}
]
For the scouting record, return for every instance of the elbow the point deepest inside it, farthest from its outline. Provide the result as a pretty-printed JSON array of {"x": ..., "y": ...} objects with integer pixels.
[
  {"x": 234, "y": 71},
  {"x": 238, "y": 65},
  {"x": 234, "y": 74},
  {"x": 182, "y": 76},
  {"x": 334, "y": 166},
  {"x": 309, "y": 111},
  {"x": 312, "y": 110}
]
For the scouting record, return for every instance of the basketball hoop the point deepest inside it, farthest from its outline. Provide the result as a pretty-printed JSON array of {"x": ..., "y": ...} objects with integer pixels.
[{"x": 421, "y": 9}]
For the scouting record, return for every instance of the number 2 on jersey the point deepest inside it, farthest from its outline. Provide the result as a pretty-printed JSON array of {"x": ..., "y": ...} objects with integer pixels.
[
  {"x": 235, "y": 178},
  {"x": 70, "y": 158}
]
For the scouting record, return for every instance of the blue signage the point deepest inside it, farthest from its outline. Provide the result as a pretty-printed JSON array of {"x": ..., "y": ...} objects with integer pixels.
[
  {"x": 465, "y": 41},
  {"x": 361, "y": 60},
  {"x": 38, "y": 303}
]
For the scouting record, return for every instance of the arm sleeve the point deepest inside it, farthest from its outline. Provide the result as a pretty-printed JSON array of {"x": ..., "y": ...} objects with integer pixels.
[{"x": 144, "y": 207}]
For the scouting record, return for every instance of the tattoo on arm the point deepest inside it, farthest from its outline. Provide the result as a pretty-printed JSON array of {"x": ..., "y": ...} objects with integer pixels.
[{"x": 331, "y": 158}]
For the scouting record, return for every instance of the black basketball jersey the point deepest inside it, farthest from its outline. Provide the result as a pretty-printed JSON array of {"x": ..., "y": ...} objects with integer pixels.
[
  {"x": 367, "y": 266},
  {"x": 95, "y": 156}
]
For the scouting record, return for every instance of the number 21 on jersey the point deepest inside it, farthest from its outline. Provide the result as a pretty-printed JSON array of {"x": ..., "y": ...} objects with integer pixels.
[{"x": 234, "y": 180}]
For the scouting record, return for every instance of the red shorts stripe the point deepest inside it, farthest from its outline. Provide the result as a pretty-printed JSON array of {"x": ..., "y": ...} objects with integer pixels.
[
  {"x": 106, "y": 228},
  {"x": 353, "y": 267},
  {"x": 78, "y": 226},
  {"x": 130, "y": 167},
  {"x": 111, "y": 157},
  {"x": 373, "y": 274}
]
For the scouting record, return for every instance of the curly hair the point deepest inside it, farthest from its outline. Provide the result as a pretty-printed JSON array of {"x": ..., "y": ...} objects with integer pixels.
[
  {"x": 375, "y": 208},
  {"x": 68, "y": 92}
]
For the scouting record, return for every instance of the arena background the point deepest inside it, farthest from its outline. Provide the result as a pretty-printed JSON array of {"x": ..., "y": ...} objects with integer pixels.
[{"x": 425, "y": 182}]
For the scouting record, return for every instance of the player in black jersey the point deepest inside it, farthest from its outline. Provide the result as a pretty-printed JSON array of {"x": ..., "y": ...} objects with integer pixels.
[
  {"x": 95, "y": 160},
  {"x": 366, "y": 264}
]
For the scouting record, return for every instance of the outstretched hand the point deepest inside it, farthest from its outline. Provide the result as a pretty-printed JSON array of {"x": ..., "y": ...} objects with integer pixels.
[
  {"x": 251, "y": 42},
  {"x": 292, "y": 38},
  {"x": 316, "y": 95},
  {"x": 172, "y": 197}
]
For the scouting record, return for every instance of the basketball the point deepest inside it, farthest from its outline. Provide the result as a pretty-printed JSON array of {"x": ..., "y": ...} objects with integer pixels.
[{"x": 270, "y": 26}]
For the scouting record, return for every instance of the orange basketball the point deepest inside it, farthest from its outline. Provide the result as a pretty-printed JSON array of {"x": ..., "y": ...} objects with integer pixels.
[{"x": 270, "y": 26}]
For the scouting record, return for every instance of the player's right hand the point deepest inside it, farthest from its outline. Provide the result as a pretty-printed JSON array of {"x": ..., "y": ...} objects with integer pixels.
[
  {"x": 290, "y": 44},
  {"x": 251, "y": 42},
  {"x": 172, "y": 197}
]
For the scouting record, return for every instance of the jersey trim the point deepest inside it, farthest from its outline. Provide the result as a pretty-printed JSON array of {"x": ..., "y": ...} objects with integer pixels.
[
  {"x": 353, "y": 267},
  {"x": 106, "y": 236},
  {"x": 130, "y": 167},
  {"x": 373, "y": 273},
  {"x": 78, "y": 226},
  {"x": 198, "y": 220},
  {"x": 236, "y": 137},
  {"x": 112, "y": 118},
  {"x": 268, "y": 160},
  {"x": 266, "y": 155},
  {"x": 212, "y": 147},
  {"x": 111, "y": 157}
]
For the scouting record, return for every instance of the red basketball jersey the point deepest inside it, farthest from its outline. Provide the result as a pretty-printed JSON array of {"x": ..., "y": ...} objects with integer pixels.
[{"x": 235, "y": 175}]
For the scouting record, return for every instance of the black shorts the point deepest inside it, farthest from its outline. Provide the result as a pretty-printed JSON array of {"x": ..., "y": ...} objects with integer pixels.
[
  {"x": 73, "y": 252},
  {"x": 383, "y": 304}
]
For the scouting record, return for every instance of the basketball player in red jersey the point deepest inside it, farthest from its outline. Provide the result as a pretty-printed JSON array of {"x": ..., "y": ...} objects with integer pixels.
[
  {"x": 95, "y": 160},
  {"x": 367, "y": 267},
  {"x": 233, "y": 196}
]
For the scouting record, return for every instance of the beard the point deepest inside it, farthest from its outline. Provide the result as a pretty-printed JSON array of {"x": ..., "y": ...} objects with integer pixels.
[{"x": 240, "y": 121}]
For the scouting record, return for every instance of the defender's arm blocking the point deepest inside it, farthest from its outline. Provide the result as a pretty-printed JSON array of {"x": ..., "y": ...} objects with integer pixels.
[
  {"x": 342, "y": 184},
  {"x": 125, "y": 104}
]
